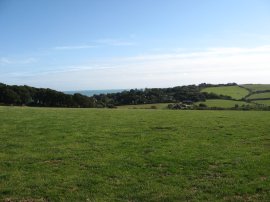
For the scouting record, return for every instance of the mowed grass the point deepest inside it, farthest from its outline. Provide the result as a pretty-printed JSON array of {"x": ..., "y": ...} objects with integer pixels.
[
  {"x": 259, "y": 96},
  {"x": 133, "y": 155},
  {"x": 145, "y": 106},
  {"x": 257, "y": 87},
  {"x": 264, "y": 102},
  {"x": 223, "y": 103},
  {"x": 235, "y": 92}
]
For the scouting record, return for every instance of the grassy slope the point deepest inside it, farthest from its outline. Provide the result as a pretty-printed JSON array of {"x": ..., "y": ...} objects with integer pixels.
[
  {"x": 209, "y": 103},
  {"x": 145, "y": 106},
  {"x": 259, "y": 96},
  {"x": 257, "y": 87},
  {"x": 235, "y": 92},
  {"x": 264, "y": 102},
  {"x": 134, "y": 155},
  {"x": 223, "y": 103}
]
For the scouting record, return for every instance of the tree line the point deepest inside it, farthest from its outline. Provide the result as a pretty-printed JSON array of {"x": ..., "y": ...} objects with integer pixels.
[
  {"x": 156, "y": 95},
  {"x": 45, "y": 97}
]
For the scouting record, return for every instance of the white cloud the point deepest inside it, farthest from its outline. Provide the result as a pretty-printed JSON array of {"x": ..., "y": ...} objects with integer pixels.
[{"x": 213, "y": 65}]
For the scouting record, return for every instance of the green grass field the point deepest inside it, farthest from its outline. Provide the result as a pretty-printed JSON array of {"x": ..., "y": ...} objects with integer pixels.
[
  {"x": 235, "y": 92},
  {"x": 133, "y": 155},
  {"x": 223, "y": 103},
  {"x": 209, "y": 103},
  {"x": 145, "y": 106},
  {"x": 259, "y": 96},
  {"x": 264, "y": 102},
  {"x": 257, "y": 87}
]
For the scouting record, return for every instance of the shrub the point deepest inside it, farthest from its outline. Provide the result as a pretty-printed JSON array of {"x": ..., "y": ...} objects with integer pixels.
[{"x": 202, "y": 105}]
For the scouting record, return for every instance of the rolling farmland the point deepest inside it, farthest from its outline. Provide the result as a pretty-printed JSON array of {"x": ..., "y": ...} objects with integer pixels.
[
  {"x": 235, "y": 92},
  {"x": 224, "y": 103},
  {"x": 258, "y": 96},
  {"x": 263, "y": 102},
  {"x": 257, "y": 87}
]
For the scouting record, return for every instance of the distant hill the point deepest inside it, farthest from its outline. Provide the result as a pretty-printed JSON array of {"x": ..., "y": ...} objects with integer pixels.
[
  {"x": 26, "y": 95},
  {"x": 249, "y": 93},
  {"x": 223, "y": 96},
  {"x": 257, "y": 87},
  {"x": 235, "y": 92},
  {"x": 213, "y": 95}
]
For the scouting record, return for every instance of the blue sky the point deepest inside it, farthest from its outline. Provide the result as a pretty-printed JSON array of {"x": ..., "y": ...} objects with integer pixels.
[{"x": 106, "y": 44}]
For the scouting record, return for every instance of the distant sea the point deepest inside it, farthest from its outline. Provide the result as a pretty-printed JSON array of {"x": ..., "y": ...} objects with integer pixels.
[{"x": 95, "y": 92}]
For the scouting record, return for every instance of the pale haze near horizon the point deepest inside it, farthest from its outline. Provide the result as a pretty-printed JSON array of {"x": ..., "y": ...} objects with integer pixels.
[{"x": 80, "y": 45}]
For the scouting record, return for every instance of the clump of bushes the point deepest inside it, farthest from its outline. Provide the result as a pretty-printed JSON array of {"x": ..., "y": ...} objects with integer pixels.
[
  {"x": 153, "y": 107},
  {"x": 180, "y": 106}
]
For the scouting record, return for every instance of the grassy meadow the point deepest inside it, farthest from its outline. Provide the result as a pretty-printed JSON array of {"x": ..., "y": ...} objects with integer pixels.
[
  {"x": 257, "y": 87},
  {"x": 259, "y": 96},
  {"x": 223, "y": 103},
  {"x": 210, "y": 103},
  {"x": 145, "y": 106},
  {"x": 235, "y": 92},
  {"x": 51, "y": 154},
  {"x": 263, "y": 102}
]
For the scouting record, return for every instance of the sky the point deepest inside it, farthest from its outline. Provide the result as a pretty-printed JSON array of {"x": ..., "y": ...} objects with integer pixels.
[{"x": 122, "y": 44}]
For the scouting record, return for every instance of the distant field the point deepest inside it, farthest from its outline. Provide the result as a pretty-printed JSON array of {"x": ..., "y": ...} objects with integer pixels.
[
  {"x": 257, "y": 87},
  {"x": 145, "y": 106},
  {"x": 264, "y": 102},
  {"x": 133, "y": 155},
  {"x": 259, "y": 96},
  {"x": 235, "y": 92},
  {"x": 209, "y": 103},
  {"x": 223, "y": 103}
]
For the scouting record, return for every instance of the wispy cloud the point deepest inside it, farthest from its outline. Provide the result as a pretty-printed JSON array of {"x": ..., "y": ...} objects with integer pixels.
[
  {"x": 97, "y": 43},
  {"x": 77, "y": 47},
  {"x": 213, "y": 65},
  {"x": 209, "y": 52},
  {"x": 8, "y": 61},
  {"x": 4, "y": 60},
  {"x": 115, "y": 42}
]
